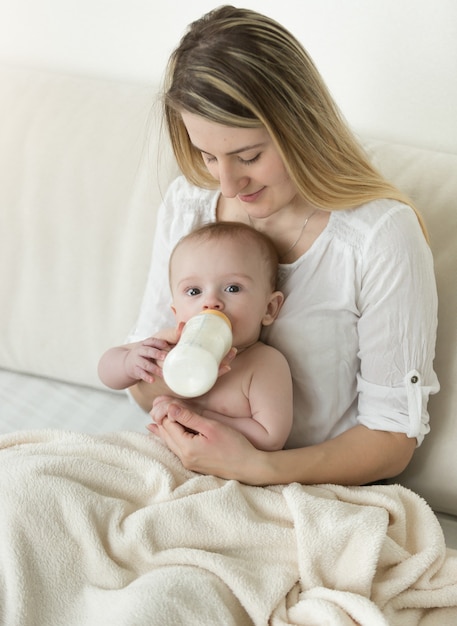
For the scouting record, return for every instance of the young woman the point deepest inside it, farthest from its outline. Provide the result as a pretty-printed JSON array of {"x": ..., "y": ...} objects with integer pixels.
[{"x": 259, "y": 140}]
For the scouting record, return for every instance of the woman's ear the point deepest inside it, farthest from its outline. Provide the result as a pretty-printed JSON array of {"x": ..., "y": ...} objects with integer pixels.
[{"x": 273, "y": 307}]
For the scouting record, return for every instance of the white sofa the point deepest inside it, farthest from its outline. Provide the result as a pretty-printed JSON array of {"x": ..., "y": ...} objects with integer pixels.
[{"x": 83, "y": 165}]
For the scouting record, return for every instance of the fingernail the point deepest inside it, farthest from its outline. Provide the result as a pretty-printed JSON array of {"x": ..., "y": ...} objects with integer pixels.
[{"x": 174, "y": 410}]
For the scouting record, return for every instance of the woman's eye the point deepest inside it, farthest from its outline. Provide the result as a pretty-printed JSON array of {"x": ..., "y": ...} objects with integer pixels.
[
  {"x": 232, "y": 289},
  {"x": 208, "y": 158},
  {"x": 193, "y": 291},
  {"x": 250, "y": 161}
]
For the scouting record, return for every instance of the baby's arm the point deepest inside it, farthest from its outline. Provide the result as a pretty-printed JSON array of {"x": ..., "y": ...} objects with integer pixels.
[
  {"x": 123, "y": 366},
  {"x": 271, "y": 400},
  {"x": 269, "y": 392}
]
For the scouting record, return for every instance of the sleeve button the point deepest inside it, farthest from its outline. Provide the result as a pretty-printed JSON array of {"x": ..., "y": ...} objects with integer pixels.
[{"x": 414, "y": 379}]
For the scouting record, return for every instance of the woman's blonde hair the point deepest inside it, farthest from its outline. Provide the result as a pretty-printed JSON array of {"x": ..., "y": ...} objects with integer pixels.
[{"x": 239, "y": 68}]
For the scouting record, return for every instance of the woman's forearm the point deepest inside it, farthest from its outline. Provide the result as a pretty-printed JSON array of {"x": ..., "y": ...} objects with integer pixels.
[{"x": 356, "y": 457}]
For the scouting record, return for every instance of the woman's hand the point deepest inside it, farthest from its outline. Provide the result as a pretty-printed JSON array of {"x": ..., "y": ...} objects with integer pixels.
[
  {"x": 202, "y": 444},
  {"x": 356, "y": 457}
]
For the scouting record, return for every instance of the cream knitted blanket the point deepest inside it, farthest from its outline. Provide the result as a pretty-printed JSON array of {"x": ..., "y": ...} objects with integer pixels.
[{"x": 112, "y": 530}]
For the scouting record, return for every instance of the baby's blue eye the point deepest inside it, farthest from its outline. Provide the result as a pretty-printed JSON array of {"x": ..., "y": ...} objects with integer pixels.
[
  {"x": 193, "y": 291},
  {"x": 232, "y": 289}
]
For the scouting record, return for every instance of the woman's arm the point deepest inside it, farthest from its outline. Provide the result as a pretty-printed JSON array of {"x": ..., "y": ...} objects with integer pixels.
[{"x": 356, "y": 457}]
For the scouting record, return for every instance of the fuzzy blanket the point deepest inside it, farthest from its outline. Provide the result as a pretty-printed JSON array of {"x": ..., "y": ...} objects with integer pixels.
[{"x": 112, "y": 530}]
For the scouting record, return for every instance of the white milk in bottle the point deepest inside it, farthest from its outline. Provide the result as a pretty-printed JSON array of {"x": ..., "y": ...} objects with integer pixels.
[{"x": 190, "y": 369}]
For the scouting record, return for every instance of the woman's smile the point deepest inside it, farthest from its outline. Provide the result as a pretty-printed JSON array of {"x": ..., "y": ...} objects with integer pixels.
[{"x": 251, "y": 197}]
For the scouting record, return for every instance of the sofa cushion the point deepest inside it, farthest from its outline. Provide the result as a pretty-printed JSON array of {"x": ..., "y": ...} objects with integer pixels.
[
  {"x": 83, "y": 167},
  {"x": 81, "y": 179}
]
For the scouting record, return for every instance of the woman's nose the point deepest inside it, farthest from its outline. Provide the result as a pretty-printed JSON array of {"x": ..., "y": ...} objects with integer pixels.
[{"x": 231, "y": 183}]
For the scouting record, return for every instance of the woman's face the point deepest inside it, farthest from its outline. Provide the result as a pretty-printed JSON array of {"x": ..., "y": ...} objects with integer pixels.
[{"x": 246, "y": 164}]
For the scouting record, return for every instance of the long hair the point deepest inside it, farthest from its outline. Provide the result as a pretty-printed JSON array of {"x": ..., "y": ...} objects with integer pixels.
[{"x": 239, "y": 68}]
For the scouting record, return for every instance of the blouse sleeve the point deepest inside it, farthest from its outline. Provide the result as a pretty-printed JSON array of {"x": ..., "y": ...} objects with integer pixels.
[
  {"x": 184, "y": 207},
  {"x": 397, "y": 327}
]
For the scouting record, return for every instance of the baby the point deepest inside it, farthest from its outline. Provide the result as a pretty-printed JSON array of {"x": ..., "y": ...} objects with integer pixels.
[{"x": 232, "y": 268}]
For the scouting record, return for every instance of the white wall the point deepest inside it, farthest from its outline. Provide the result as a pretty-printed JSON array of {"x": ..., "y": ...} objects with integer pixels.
[{"x": 391, "y": 64}]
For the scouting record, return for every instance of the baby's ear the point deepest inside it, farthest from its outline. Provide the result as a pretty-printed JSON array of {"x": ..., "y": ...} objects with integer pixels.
[
  {"x": 179, "y": 329},
  {"x": 273, "y": 307},
  {"x": 180, "y": 325}
]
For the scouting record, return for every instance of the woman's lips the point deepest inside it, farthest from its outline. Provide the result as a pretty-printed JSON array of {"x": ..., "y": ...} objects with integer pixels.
[{"x": 250, "y": 197}]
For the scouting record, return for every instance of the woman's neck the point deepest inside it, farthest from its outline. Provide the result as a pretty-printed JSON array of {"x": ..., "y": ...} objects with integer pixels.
[{"x": 293, "y": 229}]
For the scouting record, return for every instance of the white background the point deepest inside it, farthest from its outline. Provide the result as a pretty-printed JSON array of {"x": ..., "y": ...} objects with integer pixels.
[{"x": 390, "y": 64}]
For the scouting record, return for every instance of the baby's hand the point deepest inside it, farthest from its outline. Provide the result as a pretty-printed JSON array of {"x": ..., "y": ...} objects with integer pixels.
[
  {"x": 224, "y": 367},
  {"x": 159, "y": 409},
  {"x": 144, "y": 360},
  {"x": 170, "y": 335}
]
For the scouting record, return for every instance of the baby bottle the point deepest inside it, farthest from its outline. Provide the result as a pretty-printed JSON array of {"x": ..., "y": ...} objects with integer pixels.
[{"x": 190, "y": 369}]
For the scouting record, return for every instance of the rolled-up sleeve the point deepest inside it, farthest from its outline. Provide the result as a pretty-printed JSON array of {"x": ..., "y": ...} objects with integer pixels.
[{"x": 397, "y": 327}]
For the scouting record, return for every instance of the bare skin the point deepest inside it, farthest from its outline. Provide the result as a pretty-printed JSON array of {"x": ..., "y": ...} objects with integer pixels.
[
  {"x": 229, "y": 276},
  {"x": 256, "y": 188},
  {"x": 356, "y": 457}
]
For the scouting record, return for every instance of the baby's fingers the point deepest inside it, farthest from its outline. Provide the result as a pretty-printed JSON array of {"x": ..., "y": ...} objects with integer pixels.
[
  {"x": 225, "y": 367},
  {"x": 153, "y": 353}
]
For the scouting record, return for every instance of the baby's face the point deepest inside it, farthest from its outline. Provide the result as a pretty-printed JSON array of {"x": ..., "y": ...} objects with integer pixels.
[{"x": 223, "y": 274}]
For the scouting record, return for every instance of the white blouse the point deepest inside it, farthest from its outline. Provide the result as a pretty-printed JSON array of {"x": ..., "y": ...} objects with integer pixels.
[{"x": 358, "y": 324}]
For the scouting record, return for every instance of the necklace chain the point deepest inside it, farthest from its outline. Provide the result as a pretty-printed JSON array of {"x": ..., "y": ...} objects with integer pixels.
[{"x": 308, "y": 217}]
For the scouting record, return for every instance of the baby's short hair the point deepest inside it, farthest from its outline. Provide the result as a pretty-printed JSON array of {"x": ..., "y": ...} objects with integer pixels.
[{"x": 238, "y": 231}]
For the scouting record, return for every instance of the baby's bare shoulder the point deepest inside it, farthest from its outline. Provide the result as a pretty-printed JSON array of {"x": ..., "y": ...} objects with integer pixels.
[{"x": 260, "y": 353}]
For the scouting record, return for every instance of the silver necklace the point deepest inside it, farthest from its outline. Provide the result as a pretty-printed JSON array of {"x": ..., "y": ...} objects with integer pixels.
[{"x": 308, "y": 217}]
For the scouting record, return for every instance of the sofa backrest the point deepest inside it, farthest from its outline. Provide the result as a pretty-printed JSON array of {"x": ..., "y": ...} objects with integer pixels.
[
  {"x": 430, "y": 179},
  {"x": 83, "y": 167}
]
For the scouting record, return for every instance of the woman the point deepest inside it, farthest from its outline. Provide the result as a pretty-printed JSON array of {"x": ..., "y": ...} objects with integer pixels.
[{"x": 259, "y": 140}]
